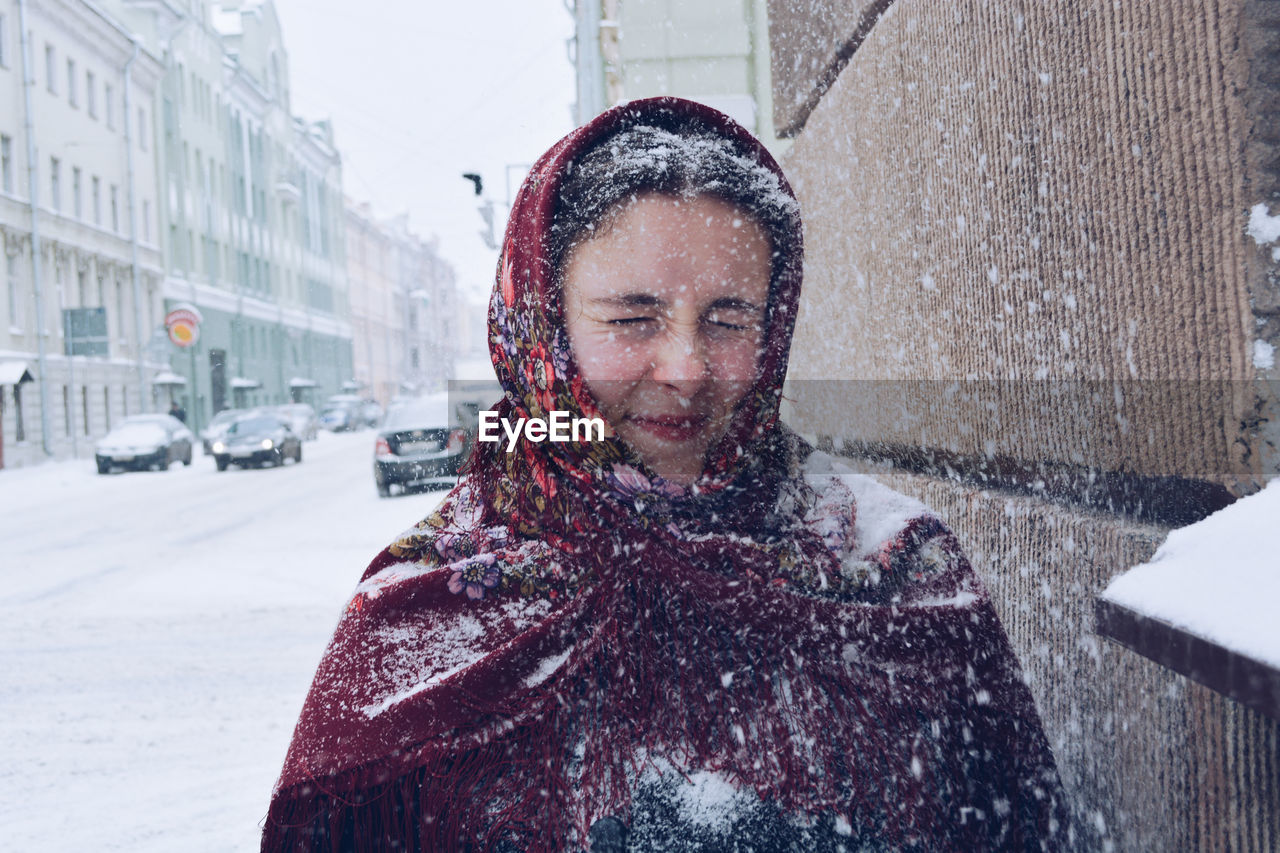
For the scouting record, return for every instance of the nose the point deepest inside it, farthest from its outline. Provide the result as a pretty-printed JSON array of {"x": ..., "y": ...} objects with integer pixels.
[{"x": 680, "y": 362}]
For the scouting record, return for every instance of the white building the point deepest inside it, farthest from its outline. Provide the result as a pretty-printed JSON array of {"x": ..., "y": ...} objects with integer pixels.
[
  {"x": 715, "y": 52},
  {"x": 402, "y": 307},
  {"x": 78, "y": 180}
]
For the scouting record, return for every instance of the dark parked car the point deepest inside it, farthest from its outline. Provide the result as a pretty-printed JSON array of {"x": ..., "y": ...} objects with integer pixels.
[
  {"x": 417, "y": 448},
  {"x": 144, "y": 441},
  {"x": 217, "y": 427},
  {"x": 256, "y": 440}
]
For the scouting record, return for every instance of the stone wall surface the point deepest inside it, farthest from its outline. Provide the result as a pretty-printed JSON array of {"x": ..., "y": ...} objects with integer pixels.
[
  {"x": 1031, "y": 286},
  {"x": 1043, "y": 193}
]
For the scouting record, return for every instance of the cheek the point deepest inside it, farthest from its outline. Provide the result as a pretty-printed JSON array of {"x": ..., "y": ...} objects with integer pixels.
[{"x": 736, "y": 360}]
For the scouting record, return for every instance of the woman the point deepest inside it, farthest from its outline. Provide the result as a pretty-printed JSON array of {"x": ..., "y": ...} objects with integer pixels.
[{"x": 694, "y": 634}]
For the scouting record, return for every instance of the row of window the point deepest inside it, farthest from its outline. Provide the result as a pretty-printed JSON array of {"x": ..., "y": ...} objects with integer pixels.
[
  {"x": 90, "y": 92},
  {"x": 77, "y": 191},
  {"x": 68, "y": 410},
  {"x": 16, "y": 298}
]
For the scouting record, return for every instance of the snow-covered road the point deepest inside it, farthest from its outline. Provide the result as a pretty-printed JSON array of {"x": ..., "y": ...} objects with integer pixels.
[{"x": 158, "y": 631}]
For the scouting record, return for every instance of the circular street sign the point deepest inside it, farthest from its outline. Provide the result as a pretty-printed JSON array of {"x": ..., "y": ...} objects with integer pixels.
[
  {"x": 183, "y": 324},
  {"x": 184, "y": 334}
]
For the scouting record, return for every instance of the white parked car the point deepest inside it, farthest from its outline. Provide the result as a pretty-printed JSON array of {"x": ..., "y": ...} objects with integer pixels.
[
  {"x": 144, "y": 441},
  {"x": 302, "y": 419}
]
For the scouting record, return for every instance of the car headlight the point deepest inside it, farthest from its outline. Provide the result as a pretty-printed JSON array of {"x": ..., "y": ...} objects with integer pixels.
[
  {"x": 218, "y": 447},
  {"x": 267, "y": 444}
]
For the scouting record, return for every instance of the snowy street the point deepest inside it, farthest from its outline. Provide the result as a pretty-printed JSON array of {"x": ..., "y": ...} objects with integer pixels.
[{"x": 158, "y": 631}]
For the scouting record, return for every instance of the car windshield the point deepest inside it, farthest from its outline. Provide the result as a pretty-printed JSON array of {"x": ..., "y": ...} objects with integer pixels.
[
  {"x": 429, "y": 412},
  {"x": 136, "y": 432},
  {"x": 225, "y": 416},
  {"x": 254, "y": 425}
]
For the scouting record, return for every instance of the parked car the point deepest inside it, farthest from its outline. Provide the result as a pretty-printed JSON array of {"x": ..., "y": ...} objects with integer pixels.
[
  {"x": 342, "y": 412},
  {"x": 255, "y": 440},
  {"x": 217, "y": 427},
  {"x": 302, "y": 419},
  {"x": 144, "y": 441},
  {"x": 417, "y": 447},
  {"x": 337, "y": 419},
  {"x": 371, "y": 412}
]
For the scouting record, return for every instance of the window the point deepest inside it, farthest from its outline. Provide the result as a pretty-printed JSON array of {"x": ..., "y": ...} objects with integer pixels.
[
  {"x": 95, "y": 195},
  {"x": 55, "y": 183},
  {"x": 108, "y": 95},
  {"x": 71, "y": 82},
  {"x": 142, "y": 128},
  {"x": 11, "y": 286},
  {"x": 6, "y": 163},
  {"x": 76, "y": 203},
  {"x": 115, "y": 209},
  {"x": 90, "y": 94},
  {"x": 51, "y": 68}
]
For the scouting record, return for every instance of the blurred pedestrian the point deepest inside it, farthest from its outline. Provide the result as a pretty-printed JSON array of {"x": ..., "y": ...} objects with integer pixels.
[
  {"x": 695, "y": 634},
  {"x": 176, "y": 411}
]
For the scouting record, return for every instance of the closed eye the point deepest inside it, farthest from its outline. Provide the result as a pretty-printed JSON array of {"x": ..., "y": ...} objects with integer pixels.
[{"x": 630, "y": 321}]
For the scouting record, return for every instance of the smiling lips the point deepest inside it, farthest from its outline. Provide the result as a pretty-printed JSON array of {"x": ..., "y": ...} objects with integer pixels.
[{"x": 671, "y": 427}]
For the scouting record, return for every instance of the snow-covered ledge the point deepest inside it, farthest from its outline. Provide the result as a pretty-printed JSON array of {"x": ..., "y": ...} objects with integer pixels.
[{"x": 1208, "y": 603}]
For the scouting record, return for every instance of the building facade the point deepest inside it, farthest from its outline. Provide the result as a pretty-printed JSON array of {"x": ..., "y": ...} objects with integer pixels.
[
  {"x": 712, "y": 51},
  {"x": 82, "y": 269},
  {"x": 402, "y": 307},
  {"x": 252, "y": 208}
]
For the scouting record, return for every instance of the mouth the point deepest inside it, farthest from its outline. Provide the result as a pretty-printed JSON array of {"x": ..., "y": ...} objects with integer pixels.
[{"x": 671, "y": 427}]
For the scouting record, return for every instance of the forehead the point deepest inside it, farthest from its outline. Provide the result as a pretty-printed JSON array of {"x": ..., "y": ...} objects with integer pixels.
[{"x": 657, "y": 242}]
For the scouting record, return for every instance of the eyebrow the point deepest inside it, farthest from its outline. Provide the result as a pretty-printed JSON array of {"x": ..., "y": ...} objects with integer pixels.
[{"x": 648, "y": 300}]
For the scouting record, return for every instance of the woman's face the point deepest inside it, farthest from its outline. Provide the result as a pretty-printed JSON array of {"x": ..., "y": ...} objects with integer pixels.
[{"x": 665, "y": 313}]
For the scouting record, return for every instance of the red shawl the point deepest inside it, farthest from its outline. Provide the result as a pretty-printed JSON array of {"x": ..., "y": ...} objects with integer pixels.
[{"x": 568, "y": 622}]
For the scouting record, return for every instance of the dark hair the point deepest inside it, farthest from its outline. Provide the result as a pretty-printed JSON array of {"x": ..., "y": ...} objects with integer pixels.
[{"x": 684, "y": 161}]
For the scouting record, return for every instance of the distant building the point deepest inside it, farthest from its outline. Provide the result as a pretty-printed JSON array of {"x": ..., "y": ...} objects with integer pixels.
[
  {"x": 82, "y": 270},
  {"x": 431, "y": 285},
  {"x": 402, "y": 307},
  {"x": 712, "y": 51}
]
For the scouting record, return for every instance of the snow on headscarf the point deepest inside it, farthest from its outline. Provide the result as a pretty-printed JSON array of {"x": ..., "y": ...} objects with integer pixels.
[{"x": 508, "y": 669}]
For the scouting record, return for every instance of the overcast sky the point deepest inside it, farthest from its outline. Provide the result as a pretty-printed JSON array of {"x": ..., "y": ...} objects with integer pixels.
[{"x": 421, "y": 91}]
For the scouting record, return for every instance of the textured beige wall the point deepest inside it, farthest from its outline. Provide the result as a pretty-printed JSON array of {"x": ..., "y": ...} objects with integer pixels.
[
  {"x": 1029, "y": 219},
  {"x": 1032, "y": 192}
]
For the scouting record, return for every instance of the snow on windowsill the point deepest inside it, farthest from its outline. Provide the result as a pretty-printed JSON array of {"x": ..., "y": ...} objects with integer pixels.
[{"x": 1205, "y": 604}]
